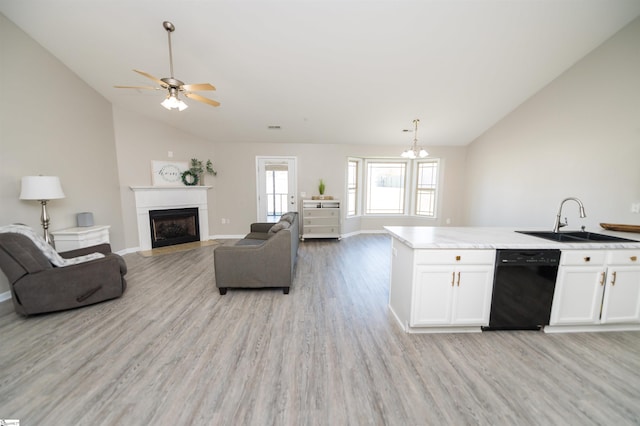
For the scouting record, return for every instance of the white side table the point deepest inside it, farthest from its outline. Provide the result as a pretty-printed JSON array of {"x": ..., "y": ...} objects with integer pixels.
[{"x": 80, "y": 237}]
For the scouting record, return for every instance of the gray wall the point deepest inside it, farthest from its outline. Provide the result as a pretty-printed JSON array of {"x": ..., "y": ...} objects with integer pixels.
[
  {"x": 52, "y": 123},
  {"x": 579, "y": 136},
  {"x": 233, "y": 196}
]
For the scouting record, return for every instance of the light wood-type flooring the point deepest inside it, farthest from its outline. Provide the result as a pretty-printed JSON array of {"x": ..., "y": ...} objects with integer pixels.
[{"x": 172, "y": 351}]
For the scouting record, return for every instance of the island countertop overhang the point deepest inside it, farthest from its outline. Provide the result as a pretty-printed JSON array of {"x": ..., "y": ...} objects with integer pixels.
[{"x": 435, "y": 237}]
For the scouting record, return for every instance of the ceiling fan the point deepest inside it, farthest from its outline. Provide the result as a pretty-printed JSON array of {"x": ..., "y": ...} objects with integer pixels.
[{"x": 173, "y": 85}]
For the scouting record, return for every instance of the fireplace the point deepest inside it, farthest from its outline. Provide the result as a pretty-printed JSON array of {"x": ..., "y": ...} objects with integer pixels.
[
  {"x": 149, "y": 198},
  {"x": 174, "y": 226}
]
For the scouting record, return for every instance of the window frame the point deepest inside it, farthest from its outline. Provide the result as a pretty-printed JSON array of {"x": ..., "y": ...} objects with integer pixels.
[
  {"x": 416, "y": 189},
  {"x": 405, "y": 188},
  {"x": 357, "y": 208},
  {"x": 411, "y": 187}
]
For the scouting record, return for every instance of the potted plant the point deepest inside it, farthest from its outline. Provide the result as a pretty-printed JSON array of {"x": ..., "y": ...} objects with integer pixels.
[{"x": 199, "y": 169}]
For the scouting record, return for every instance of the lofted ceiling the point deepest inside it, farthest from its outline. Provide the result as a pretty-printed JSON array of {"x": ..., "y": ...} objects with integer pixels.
[{"x": 326, "y": 71}]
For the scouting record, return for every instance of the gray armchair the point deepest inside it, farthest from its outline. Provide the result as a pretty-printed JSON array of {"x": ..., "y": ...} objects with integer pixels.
[{"x": 38, "y": 286}]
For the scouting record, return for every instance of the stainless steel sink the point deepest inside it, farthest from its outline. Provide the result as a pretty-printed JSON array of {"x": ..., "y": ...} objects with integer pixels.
[{"x": 576, "y": 237}]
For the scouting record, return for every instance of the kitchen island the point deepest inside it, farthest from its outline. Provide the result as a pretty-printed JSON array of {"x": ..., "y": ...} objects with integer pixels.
[{"x": 442, "y": 279}]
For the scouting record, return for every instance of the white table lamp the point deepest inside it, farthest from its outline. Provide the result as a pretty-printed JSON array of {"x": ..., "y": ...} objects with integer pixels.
[{"x": 43, "y": 189}]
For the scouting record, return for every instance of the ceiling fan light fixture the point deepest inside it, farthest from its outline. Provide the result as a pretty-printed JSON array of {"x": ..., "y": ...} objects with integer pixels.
[{"x": 172, "y": 101}]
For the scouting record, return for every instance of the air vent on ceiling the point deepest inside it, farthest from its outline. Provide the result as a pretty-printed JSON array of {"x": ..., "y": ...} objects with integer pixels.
[{"x": 273, "y": 127}]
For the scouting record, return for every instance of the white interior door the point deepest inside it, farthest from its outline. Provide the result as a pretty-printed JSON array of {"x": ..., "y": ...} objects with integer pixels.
[{"x": 276, "y": 179}]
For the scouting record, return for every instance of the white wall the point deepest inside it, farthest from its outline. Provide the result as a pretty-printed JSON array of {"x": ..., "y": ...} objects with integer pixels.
[
  {"x": 579, "y": 136},
  {"x": 140, "y": 140}
]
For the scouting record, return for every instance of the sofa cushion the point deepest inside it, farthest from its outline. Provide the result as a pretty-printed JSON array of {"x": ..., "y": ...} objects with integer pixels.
[
  {"x": 257, "y": 236},
  {"x": 283, "y": 224},
  {"x": 249, "y": 242}
]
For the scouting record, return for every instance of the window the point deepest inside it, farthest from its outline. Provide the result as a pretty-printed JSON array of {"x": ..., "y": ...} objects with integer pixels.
[
  {"x": 392, "y": 187},
  {"x": 353, "y": 187},
  {"x": 426, "y": 183},
  {"x": 386, "y": 181}
]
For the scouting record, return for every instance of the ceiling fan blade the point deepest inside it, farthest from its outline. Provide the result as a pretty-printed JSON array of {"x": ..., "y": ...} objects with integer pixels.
[
  {"x": 197, "y": 87},
  {"x": 137, "y": 87},
  {"x": 197, "y": 97},
  {"x": 149, "y": 76}
]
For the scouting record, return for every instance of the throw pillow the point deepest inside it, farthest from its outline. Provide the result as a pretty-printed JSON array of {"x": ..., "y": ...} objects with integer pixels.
[
  {"x": 283, "y": 224},
  {"x": 288, "y": 217},
  {"x": 46, "y": 249}
]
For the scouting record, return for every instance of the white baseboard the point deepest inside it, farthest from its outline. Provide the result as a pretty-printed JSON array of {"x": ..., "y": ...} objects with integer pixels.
[
  {"x": 228, "y": 237},
  {"x": 128, "y": 250},
  {"x": 5, "y": 296}
]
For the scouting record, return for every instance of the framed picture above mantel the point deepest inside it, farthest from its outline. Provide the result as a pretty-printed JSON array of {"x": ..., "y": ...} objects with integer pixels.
[{"x": 168, "y": 173}]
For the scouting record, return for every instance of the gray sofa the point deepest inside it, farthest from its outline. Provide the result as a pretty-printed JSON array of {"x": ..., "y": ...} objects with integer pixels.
[
  {"x": 38, "y": 286},
  {"x": 266, "y": 257}
]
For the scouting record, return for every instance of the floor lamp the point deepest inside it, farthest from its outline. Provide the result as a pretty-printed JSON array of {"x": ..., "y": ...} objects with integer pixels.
[{"x": 43, "y": 189}]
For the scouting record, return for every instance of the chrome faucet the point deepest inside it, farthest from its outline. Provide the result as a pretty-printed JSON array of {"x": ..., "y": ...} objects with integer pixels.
[{"x": 560, "y": 224}]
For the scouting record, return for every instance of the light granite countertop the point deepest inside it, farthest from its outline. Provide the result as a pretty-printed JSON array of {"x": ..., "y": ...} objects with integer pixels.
[{"x": 434, "y": 237}]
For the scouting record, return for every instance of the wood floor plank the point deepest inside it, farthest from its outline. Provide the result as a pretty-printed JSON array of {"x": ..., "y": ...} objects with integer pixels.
[{"x": 173, "y": 351}]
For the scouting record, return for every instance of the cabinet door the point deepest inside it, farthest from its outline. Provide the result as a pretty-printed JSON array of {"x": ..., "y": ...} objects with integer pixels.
[
  {"x": 621, "y": 302},
  {"x": 432, "y": 295},
  {"x": 472, "y": 295},
  {"x": 578, "y": 295}
]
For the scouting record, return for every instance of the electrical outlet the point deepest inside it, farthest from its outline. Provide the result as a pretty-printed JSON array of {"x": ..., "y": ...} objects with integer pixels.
[
  {"x": 635, "y": 208},
  {"x": 223, "y": 221},
  {"x": 170, "y": 154}
]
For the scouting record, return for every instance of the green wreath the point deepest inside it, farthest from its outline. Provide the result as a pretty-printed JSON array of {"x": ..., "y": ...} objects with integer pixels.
[{"x": 189, "y": 178}]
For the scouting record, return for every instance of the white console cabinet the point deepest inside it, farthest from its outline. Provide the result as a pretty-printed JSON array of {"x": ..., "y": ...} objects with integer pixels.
[
  {"x": 80, "y": 237},
  {"x": 321, "y": 219}
]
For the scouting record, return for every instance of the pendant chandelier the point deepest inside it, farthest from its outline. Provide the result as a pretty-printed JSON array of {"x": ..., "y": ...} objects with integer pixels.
[{"x": 414, "y": 151}]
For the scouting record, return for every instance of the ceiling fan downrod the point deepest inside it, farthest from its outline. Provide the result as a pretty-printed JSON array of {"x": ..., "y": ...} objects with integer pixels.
[{"x": 170, "y": 28}]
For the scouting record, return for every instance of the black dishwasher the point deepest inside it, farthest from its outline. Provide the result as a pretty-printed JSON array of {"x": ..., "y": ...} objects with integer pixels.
[{"x": 523, "y": 287}]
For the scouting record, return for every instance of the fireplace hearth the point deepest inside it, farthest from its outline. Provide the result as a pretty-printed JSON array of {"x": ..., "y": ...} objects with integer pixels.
[{"x": 174, "y": 226}]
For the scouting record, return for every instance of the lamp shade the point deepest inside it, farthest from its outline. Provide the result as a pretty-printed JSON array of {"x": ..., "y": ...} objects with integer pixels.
[{"x": 41, "y": 188}]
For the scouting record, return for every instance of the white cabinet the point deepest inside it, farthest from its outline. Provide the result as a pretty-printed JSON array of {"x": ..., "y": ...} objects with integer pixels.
[
  {"x": 577, "y": 298},
  {"x": 597, "y": 287},
  {"x": 621, "y": 303},
  {"x": 452, "y": 295},
  {"x": 321, "y": 219},
  {"x": 446, "y": 290},
  {"x": 80, "y": 237}
]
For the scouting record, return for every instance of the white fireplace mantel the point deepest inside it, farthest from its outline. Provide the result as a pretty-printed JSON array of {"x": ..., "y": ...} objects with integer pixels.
[{"x": 169, "y": 197}]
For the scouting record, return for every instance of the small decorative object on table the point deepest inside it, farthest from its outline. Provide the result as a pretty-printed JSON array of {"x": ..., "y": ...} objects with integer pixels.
[
  {"x": 189, "y": 178},
  {"x": 167, "y": 173},
  {"x": 198, "y": 169},
  {"x": 321, "y": 188}
]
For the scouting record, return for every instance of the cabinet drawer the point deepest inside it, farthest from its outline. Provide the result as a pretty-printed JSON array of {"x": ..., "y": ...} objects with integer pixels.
[
  {"x": 322, "y": 221},
  {"x": 624, "y": 257},
  {"x": 582, "y": 257},
  {"x": 321, "y": 230},
  {"x": 321, "y": 213},
  {"x": 455, "y": 257}
]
